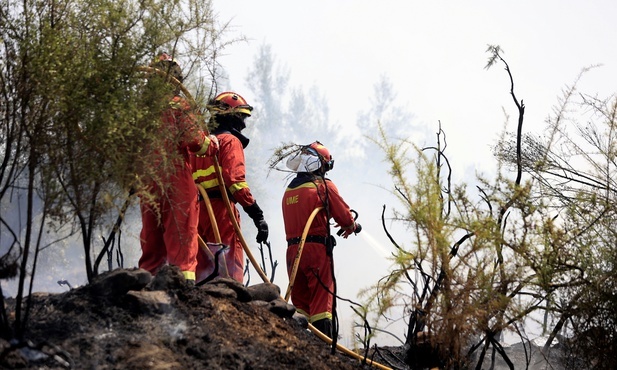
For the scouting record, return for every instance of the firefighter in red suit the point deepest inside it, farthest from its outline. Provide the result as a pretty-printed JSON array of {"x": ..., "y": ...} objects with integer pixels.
[
  {"x": 306, "y": 192},
  {"x": 229, "y": 111},
  {"x": 170, "y": 211}
]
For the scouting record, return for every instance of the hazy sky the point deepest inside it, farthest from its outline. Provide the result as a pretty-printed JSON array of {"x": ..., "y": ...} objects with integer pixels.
[{"x": 434, "y": 52}]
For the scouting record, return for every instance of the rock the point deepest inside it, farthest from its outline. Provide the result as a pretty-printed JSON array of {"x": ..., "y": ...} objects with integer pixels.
[
  {"x": 77, "y": 330},
  {"x": 264, "y": 292},
  {"x": 12, "y": 357},
  {"x": 259, "y": 303},
  {"x": 219, "y": 291},
  {"x": 119, "y": 282},
  {"x": 281, "y": 308},
  {"x": 301, "y": 319},
  {"x": 168, "y": 277},
  {"x": 243, "y": 294},
  {"x": 149, "y": 302}
]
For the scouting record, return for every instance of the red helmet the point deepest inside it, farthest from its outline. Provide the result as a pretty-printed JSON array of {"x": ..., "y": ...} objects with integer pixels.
[
  {"x": 230, "y": 102},
  {"x": 167, "y": 63},
  {"x": 324, "y": 154}
]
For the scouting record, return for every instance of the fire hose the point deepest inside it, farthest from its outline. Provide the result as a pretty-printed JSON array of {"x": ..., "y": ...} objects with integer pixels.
[
  {"x": 228, "y": 205},
  {"x": 294, "y": 269},
  {"x": 215, "y": 229},
  {"x": 292, "y": 278},
  {"x": 234, "y": 222}
]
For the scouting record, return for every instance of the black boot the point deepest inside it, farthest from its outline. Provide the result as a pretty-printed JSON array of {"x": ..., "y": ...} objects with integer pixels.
[{"x": 324, "y": 326}]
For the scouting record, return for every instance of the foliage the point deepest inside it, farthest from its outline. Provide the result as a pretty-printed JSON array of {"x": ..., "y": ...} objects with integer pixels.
[
  {"x": 573, "y": 165},
  {"x": 473, "y": 266},
  {"x": 465, "y": 272},
  {"x": 80, "y": 122}
]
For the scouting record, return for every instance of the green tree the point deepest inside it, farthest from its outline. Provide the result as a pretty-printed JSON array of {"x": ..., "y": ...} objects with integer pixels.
[
  {"x": 80, "y": 118},
  {"x": 472, "y": 265},
  {"x": 573, "y": 165}
]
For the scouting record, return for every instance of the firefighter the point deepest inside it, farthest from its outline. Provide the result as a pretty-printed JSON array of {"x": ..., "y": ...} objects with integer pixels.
[
  {"x": 170, "y": 210},
  {"x": 313, "y": 287},
  {"x": 228, "y": 114}
]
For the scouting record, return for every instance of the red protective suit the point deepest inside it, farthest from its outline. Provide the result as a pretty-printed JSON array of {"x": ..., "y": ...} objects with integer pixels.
[
  {"x": 169, "y": 231},
  {"x": 305, "y": 193},
  {"x": 232, "y": 164}
]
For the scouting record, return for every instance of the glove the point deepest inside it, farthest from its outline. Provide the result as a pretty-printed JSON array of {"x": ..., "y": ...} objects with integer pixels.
[
  {"x": 346, "y": 232},
  {"x": 214, "y": 141},
  {"x": 257, "y": 215},
  {"x": 211, "y": 149},
  {"x": 262, "y": 231}
]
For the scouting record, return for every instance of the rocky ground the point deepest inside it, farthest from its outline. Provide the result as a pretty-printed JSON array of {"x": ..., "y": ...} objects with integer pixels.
[{"x": 127, "y": 319}]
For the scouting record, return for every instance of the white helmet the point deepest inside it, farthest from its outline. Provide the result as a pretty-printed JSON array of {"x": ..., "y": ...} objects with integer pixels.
[
  {"x": 303, "y": 162},
  {"x": 311, "y": 158}
]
